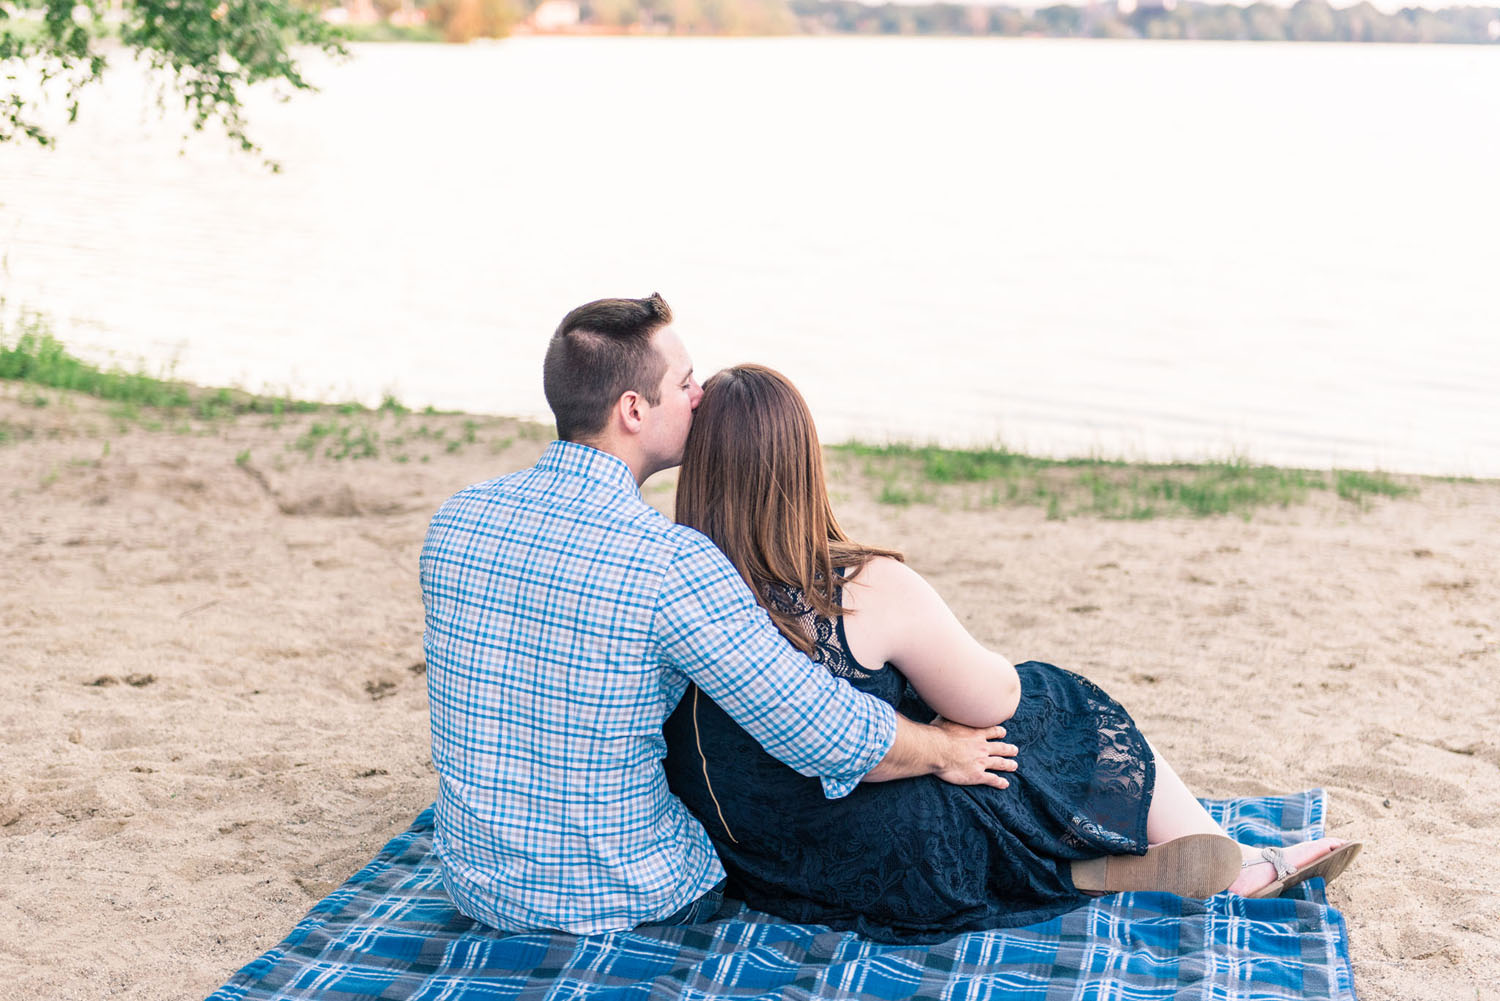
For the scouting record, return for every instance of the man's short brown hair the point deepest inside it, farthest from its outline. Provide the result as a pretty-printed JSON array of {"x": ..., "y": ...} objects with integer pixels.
[{"x": 601, "y": 350}]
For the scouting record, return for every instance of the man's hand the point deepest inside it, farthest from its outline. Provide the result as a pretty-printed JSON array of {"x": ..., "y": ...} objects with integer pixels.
[
  {"x": 955, "y": 753},
  {"x": 975, "y": 756}
]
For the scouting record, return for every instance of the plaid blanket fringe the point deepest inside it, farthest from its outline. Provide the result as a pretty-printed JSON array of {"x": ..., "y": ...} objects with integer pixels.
[{"x": 390, "y": 932}]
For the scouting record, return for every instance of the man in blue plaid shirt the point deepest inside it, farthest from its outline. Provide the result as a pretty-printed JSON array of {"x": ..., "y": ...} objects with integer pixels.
[{"x": 565, "y": 618}]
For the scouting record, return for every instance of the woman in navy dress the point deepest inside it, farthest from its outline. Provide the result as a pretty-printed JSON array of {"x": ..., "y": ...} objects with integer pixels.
[{"x": 918, "y": 858}]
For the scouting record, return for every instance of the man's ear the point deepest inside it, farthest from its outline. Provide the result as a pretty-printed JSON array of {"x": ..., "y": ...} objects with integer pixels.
[{"x": 628, "y": 409}]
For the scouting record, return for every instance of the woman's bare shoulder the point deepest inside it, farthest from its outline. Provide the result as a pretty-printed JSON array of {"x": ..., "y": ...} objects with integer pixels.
[
  {"x": 908, "y": 624},
  {"x": 884, "y": 581}
]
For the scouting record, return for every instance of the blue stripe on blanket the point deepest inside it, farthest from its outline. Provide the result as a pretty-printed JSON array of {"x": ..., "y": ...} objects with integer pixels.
[{"x": 390, "y": 932}]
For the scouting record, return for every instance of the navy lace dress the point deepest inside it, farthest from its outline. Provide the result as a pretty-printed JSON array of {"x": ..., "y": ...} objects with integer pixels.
[{"x": 919, "y": 859}]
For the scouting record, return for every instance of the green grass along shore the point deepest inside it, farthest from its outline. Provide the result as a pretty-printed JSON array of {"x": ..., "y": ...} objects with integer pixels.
[{"x": 897, "y": 474}]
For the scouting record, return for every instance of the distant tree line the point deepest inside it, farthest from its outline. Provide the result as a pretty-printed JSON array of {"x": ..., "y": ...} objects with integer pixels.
[
  {"x": 1304, "y": 21},
  {"x": 463, "y": 20},
  {"x": 693, "y": 17}
]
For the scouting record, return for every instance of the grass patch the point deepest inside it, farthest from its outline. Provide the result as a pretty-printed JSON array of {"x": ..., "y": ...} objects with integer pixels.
[
  {"x": 959, "y": 465},
  {"x": 383, "y": 32},
  {"x": 14, "y": 432},
  {"x": 1105, "y": 488},
  {"x": 1353, "y": 485},
  {"x": 32, "y": 356},
  {"x": 338, "y": 440},
  {"x": 37, "y": 358},
  {"x": 900, "y": 496},
  {"x": 1233, "y": 487}
]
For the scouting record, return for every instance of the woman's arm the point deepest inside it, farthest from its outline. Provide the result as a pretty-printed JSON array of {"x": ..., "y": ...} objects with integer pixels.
[{"x": 896, "y": 616}]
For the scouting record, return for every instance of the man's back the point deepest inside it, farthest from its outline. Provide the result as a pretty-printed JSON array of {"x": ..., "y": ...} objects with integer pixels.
[
  {"x": 541, "y": 588},
  {"x": 562, "y": 613}
]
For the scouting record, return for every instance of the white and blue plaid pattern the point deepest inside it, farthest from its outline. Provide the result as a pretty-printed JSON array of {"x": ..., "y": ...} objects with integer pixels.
[
  {"x": 565, "y": 618},
  {"x": 390, "y": 932}
]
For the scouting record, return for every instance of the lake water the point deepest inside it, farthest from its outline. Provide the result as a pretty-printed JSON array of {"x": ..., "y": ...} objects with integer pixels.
[{"x": 1149, "y": 250}]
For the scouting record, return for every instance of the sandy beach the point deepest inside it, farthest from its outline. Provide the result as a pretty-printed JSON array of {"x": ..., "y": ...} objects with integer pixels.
[{"x": 210, "y": 652}]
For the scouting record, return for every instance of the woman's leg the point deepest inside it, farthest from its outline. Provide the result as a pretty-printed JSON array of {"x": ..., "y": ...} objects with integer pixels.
[{"x": 1176, "y": 812}]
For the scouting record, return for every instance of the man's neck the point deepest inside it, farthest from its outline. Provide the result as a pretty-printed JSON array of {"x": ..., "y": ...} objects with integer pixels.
[{"x": 612, "y": 447}]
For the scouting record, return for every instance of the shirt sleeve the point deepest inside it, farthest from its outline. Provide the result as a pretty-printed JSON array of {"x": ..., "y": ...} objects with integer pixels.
[{"x": 712, "y": 630}]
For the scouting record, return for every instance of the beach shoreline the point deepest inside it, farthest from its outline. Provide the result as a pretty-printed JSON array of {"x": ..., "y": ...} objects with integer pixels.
[{"x": 212, "y": 640}]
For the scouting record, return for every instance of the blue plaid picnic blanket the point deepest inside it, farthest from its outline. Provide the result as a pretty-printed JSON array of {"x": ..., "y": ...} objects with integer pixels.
[{"x": 391, "y": 932}]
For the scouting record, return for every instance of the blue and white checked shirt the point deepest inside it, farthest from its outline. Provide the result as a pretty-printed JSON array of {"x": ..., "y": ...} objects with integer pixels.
[{"x": 565, "y": 618}]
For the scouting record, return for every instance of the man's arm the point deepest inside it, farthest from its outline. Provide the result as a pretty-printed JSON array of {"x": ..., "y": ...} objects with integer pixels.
[{"x": 709, "y": 627}]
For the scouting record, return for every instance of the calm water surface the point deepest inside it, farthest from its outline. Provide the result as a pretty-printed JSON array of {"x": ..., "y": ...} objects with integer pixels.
[{"x": 1152, "y": 250}]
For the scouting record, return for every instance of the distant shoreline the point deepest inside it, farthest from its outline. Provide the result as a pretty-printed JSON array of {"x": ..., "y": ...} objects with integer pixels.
[{"x": 1157, "y": 20}]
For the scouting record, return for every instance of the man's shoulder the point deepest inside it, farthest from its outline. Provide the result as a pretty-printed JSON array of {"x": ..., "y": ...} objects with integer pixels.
[
  {"x": 626, "y": 517},
  {"x": 689, "y": 543},
  {"x": 474, "y": 495},
  {"x": 675, "y": 543},
  {"x": 484, "y": 488}
]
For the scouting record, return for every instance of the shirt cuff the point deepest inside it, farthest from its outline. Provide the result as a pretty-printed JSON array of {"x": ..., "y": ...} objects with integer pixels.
[{"x": 839, "y": 786}]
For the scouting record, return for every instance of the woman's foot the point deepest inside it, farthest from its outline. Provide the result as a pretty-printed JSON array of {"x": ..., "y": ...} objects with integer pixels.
[
  {"x": 1196, "y": 865},
  {"x": 1303, "y": 861}
]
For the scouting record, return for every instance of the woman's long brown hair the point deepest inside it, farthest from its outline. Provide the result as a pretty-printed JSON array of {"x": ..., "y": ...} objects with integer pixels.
[{"x": 752, "y": 481}]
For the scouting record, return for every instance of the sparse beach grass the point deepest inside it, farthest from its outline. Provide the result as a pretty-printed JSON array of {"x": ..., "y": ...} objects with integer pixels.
[
  {"x": 47, "y": 375},
  {"x": 384, "y": 31},
  {"x": 907, "y": 474},
  {"x": 898, "y": 474},
  {"x": 33, "y": 356}
]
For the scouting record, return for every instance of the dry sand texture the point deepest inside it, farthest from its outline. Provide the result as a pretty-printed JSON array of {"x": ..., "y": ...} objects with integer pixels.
[{"x": 215, "y": 710}]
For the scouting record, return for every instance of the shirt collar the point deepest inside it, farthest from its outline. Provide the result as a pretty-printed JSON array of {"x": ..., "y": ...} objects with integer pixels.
[{"x": 581, "y": 460}]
